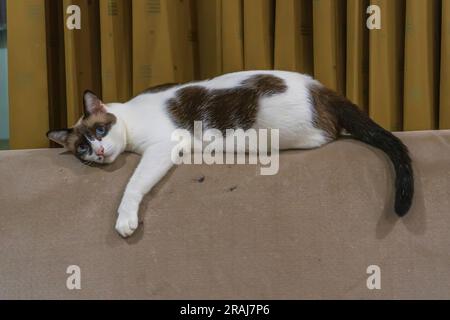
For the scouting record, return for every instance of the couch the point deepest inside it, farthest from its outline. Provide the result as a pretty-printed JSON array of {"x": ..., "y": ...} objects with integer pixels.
[{"x": 226, "y": 232}]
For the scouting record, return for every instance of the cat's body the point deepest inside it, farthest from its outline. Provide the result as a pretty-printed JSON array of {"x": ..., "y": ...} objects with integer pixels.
[
  {"x": 288, "y": 110},
  {"x": 307, "y": 115}
]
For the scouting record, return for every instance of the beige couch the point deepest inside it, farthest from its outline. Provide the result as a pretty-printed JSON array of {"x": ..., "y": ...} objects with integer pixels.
[{"x": 309, "y": 232}]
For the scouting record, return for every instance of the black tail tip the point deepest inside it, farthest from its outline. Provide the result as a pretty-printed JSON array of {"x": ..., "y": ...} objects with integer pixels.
[
  {"x": 403, "y": 203},
  {"x": 401, "y": 209},
  {"x": 404, "y": 189}
]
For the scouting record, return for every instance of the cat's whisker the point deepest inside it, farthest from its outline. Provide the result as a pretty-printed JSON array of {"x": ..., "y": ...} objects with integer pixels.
[{"x": 87, "y": 162}]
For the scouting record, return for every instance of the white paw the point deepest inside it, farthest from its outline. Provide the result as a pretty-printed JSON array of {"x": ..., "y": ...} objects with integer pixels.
[{"x": 126, "y": 224}]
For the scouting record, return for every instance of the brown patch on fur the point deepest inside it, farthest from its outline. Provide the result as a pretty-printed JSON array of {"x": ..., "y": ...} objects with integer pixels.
[
  {"x": 88, "y": 126},
  {"x": 93, "y": 121},
  {"x": 265, "y": 84},
  {"x": 324, "y": 101},
  {"x": 223, "y": 108},
  {"x": 74, "y": 139}
]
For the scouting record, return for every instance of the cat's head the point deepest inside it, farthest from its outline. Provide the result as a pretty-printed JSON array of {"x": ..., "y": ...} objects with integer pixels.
[{"x": 96, "y": 137}]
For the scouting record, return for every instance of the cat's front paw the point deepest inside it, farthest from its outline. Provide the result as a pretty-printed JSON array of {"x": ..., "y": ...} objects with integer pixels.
[{"x": 126, "y": 224}]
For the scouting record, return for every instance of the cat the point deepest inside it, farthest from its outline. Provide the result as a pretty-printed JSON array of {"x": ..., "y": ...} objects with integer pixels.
[{"x": 307, "y": 114}]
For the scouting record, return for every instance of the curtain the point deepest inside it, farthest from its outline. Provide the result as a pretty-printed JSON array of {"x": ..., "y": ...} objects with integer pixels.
[{"x": 399, "y": 74}]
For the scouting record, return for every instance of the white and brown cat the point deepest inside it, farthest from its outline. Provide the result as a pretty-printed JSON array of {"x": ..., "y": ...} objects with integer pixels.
[{"x": 307, "y": 115}]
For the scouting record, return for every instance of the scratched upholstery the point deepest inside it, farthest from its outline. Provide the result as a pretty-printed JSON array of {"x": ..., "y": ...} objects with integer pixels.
[{"x": 309, "y": 232}]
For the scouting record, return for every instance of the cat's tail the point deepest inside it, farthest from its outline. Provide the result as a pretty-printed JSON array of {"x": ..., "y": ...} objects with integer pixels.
[{"x": 349, "y": 117}]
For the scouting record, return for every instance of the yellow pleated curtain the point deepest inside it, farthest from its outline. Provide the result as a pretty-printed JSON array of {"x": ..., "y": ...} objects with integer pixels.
[{"x": 399, "y": 74}]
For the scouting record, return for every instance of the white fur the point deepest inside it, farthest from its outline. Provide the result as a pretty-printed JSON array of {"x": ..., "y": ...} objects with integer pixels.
[{"x": 143, "y": 126}]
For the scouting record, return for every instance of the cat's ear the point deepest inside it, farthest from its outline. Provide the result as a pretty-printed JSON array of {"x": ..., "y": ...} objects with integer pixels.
[
  {"x": 59, "y": 136},
  {"x": 92, "y": 103}
]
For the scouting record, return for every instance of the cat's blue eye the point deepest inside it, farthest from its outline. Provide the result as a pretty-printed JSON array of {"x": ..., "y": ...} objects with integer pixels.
[
  {"x": 82, "y": 148},
  {"x": 100, "y": 131}
]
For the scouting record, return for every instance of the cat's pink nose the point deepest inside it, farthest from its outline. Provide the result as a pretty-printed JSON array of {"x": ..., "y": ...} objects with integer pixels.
[{"x": 100, "y": 151}]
